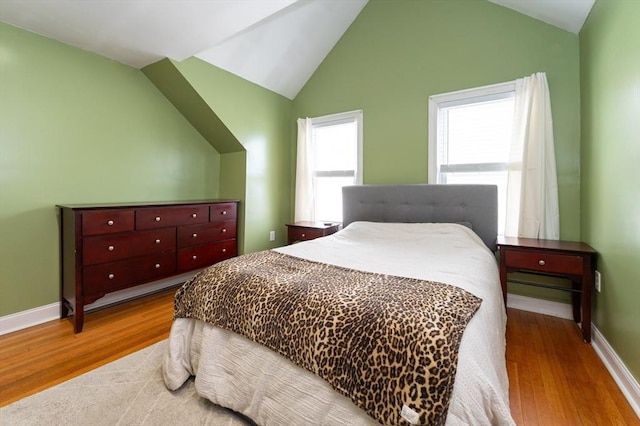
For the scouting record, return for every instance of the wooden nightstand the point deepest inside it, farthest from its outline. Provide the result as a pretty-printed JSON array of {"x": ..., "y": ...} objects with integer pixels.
[
  {"x": 573, "y": 260},
  {"x": 304, "y": 231}
]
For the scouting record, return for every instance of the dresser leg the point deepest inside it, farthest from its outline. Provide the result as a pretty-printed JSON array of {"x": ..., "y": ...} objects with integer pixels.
[{"x": 78, "y": 318}]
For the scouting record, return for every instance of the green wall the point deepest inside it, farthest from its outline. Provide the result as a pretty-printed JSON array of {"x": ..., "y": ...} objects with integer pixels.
[
  {"x": 75, "y": 127},
  {"x": 78, "y": 128},
  {"x": 259, "y": 119},
  {"x": 398, "y": 53},
  {"x": 610, "y": 89}
]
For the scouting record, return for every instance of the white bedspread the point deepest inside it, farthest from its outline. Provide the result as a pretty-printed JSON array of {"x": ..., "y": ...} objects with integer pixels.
[{"x": 234, "y": 372}]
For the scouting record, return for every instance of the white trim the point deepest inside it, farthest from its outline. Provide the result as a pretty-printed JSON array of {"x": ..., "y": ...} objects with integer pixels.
[
  {"x": 356, "y": 116},
  {"x": 627, "y": 383},
  {"x": 51, "y": 312},
  {"x": 359, "y": 171},
  {"x": 470, "y": 95},
  {"x": 29, "y": 318},
  {"x": 432, "y": 142},
  {"x": 540, "y": 306},
  {"x": 337, "y": 117},
  {"x": 621, "y": 375},
  {"x": 474, "y": 92}
]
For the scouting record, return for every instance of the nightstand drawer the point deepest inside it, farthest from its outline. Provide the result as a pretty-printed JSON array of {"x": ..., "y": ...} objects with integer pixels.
[
  {"x": 304, "y": 234},
  {"x": 544, "y": 261}
]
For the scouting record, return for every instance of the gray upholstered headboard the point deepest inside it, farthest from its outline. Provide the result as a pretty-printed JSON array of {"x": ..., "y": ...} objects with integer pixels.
[{"x": 476, "y": 204}]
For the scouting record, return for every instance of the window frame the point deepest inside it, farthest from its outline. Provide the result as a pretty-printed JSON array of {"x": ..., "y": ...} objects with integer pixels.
[
  {"x": 332, "y": 120},
  {"x": 461, "y": 97},
  {"x": 336, "y": 119}
]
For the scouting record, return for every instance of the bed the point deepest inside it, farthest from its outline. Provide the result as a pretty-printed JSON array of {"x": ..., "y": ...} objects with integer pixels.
[{"x": 421, "y": 236}]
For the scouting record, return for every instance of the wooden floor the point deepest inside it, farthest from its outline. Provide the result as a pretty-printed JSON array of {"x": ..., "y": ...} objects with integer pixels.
[{"x": 555, "y": 378}]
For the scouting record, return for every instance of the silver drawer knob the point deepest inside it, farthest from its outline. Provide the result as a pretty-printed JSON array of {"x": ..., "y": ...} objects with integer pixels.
[
  {"x": 157, "y": 218},
  {"x": 194, "y": 215},
  {"x": 224, "y": 212},
  {"x": 110, "y": 248},
  {"x": 224, "y": 230},
  {"x": 158, "y": 241},
  {"x": 224, "y": 250},
  {"x": 111, "y": 276},
  {"x": 304, "y": 235},
  {"x": 194, "y": 235},
  {"x": 541, "y": 262},
  {"x": 110, "y": 222},
  {"x": 194, "y": 257},
  {"x": 157, "y": 266}
]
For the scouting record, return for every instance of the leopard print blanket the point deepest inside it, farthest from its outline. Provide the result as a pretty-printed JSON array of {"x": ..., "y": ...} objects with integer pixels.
[{"x": 388, "y": 343}]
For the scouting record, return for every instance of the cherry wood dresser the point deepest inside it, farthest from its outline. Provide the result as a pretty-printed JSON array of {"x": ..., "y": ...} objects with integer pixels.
[{"x": 111, "y": 247}]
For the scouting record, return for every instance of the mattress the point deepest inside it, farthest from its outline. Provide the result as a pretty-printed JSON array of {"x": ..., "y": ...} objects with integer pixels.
[{"x": 235, "y": 372}]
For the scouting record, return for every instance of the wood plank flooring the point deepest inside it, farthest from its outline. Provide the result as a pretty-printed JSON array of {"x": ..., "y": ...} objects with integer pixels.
[
  {"x": 39, "y": 357},
  {"x": 555, "y": 378}
]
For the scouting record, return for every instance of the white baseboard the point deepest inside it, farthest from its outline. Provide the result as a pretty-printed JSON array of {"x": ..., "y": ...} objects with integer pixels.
[
  {"x": 621, "y": 375},
  {"x": 29, "y": 318},
  {"x": 540, "y": 306},
  {"x": 50, "y": 312}
]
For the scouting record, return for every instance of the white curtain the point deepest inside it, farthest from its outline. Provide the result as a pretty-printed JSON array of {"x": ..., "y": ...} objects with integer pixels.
[
  {"x": 532, "y": 187},
  {"x": 304, "y": 204}
]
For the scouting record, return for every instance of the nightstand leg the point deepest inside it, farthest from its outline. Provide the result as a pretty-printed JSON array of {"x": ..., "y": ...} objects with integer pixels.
[
  {"x": 503, "y": 277},
  {"x": 575, "y": 299},
  {"x": 586, "y": 309}
]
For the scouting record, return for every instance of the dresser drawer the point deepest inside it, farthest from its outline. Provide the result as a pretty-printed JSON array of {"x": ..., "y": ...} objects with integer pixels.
[
  {"x": 195, "y": 235},
  {"x": 223, "y": 211},
  {"x": 544, "y": 261},
  {"x": 200, "y": 256},
  {"x": 112, "y": 276},
  {"x": 107, "y": 221},
  {"x": 163, "y": 217},
  {"x": 108, "y": 248},
  {"x": 111, "y": 247}
]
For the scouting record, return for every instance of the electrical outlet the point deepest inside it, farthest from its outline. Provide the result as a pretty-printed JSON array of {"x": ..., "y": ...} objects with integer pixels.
[
  {"x": 272, "y": 235},
  {"x": 598, "y": 282}
]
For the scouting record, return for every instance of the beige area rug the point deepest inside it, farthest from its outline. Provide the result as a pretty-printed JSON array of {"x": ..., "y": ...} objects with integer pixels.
[{"x": 125, "y": 392}]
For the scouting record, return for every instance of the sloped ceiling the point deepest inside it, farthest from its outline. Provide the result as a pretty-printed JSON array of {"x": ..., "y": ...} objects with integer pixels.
[
  {"x": 566, "y": 14},
  {"x": 277, "y": 44},
  {"x": 284, "y": 50}
]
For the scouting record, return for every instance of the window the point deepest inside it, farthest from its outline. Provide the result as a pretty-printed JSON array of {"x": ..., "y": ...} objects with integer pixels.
[
  {"x": 470, "y": 138},
  {"x": 334, "y": 160}
]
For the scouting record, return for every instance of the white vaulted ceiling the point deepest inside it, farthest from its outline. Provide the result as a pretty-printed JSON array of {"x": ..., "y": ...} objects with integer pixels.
[
  {"x": 566, "y": 14},
  {"x": 277, "y": 44}
]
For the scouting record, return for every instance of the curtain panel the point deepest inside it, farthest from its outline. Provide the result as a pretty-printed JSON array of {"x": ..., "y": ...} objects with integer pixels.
[
  {"x": 532, "y": 188},
  {"x": 304, "y": 204}
]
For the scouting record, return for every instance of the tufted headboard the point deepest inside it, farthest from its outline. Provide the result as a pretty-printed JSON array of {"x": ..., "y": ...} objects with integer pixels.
[{"x": 474, "y": 204}]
